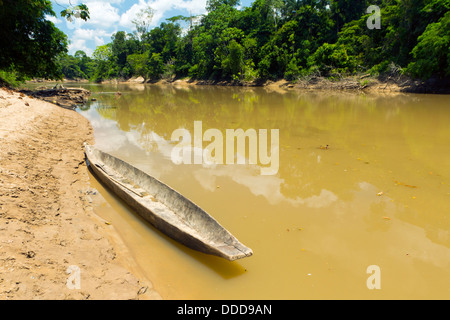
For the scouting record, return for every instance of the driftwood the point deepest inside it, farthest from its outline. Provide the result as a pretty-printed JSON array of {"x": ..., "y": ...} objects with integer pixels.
[{"x": 68, "y": 98}]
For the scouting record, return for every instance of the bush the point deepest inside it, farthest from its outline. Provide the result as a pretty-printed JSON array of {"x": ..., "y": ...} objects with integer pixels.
[
  {"x": 332, "y": 59},
  {"x": 10, "y": 79},
  {"x": 250, "y": 71},
  {"x": 432, "y": 53},
  {"x": 169, "y": 70},
  {"x": 292, "y": 70},
  {"x": 193, "y": 71},
  {"x": 156, "y": 66},
  {"x": 234, "y": 62}
]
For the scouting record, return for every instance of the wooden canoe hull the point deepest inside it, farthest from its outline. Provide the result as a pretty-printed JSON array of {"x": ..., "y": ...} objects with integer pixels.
[{"x": 164, "y": 208}]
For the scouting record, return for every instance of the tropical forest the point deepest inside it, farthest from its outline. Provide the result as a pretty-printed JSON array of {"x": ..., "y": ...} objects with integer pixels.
[{"x": 268, "y": 40}]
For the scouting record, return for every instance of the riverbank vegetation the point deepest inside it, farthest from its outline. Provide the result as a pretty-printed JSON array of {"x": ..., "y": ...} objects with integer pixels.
[
  {"x": 31, "y": 45},
  {"x": 270, "y": 40}
]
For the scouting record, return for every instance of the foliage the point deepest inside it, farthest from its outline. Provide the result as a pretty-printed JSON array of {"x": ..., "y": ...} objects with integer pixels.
[
  {"x": 80, "y": 11},
  {"x": 9, "y": 79},
  {"x": 31, "y": 45},
  {"x": 274, "y": 39},
  {"x": 139, "y": 64},
  {"x": 142, "y": 21},
  {"x": 432, "y": 52},
  {"x": 234, "y": 62},
  {"x": 155, "y": 66}
]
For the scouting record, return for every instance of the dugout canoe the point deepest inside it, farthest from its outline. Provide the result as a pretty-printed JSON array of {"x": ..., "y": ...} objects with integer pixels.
[{"x": 163, "y": 207}]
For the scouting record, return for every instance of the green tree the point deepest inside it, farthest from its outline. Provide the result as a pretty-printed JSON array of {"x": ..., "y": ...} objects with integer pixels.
[
  {"x": 331, "y": 59},
  {"x": 344, "y": 11},
  {"x": 79, "y": 11},
  {"x": 139, "y": 64},
  {"x": 163, "y": 40},
  {"x": 155, "y": 66},
  {"x": 102, "y": 54},
  {"x": 70, "y": 67},
  {"x": 85, "y": 63},
  {"x": 273, "y": 39},
  {"x": 29, "y": 43},
  {"x": 233, "y": 64},
  {"x": 184, "y": 55},
  {"x": 142, "y": 21},
  {"x": 212, "y": 5},
  {"x": 432, "y": 53},
  {"x": 31, "y": 46},
  {"x": 119, "y": 52}
]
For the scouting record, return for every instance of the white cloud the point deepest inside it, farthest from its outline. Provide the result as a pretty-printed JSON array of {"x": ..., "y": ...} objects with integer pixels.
[
  {"x": 60, "y": 3},
  {"x": 90, "y": 34},
  {"x": 82, "y": 37},
  {"x": 193, "y": 6},
  {"x": 99, "y": 41},
  {"x": 161, "y": 7},
  {"x": 79, "y": 44},
  {"x": 67, "y": 3},
  {"x": 102, "y": 15},
  {"x": 53, "y": 19},
  {"x": 127, "y": 17},
  {"x": 110, "y": 16}
]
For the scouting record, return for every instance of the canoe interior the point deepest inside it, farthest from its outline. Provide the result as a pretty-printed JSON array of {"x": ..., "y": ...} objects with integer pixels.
[{"x": 165, "y": 208}]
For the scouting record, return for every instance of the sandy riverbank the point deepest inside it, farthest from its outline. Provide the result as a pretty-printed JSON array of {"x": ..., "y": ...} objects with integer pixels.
[{"x": 47, "y": 221}]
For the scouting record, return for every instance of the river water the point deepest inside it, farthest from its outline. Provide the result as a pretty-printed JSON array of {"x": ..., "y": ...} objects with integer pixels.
[{"x": 357, "y": 205}]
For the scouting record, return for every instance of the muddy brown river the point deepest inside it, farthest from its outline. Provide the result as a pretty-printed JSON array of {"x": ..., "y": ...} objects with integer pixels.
[{"x": 356, "y": 204}]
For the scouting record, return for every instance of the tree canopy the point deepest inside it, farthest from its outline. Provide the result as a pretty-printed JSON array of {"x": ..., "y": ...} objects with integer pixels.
[
  {"x": 30, "y": 44},
  {"x": 273, "y": 39},
  {"x": 270, "y": 39}
]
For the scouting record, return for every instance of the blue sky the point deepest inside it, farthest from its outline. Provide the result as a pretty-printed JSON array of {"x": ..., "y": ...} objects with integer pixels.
[{"x": 110, "y": 16}]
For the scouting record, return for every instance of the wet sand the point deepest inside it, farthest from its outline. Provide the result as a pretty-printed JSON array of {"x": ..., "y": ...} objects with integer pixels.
[{"x": 48, "y": 228}]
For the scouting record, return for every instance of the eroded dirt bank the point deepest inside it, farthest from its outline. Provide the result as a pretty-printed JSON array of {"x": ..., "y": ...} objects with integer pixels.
[
  {"x": 48, "y": 228},
  {"x": 362, "y": 83}
]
